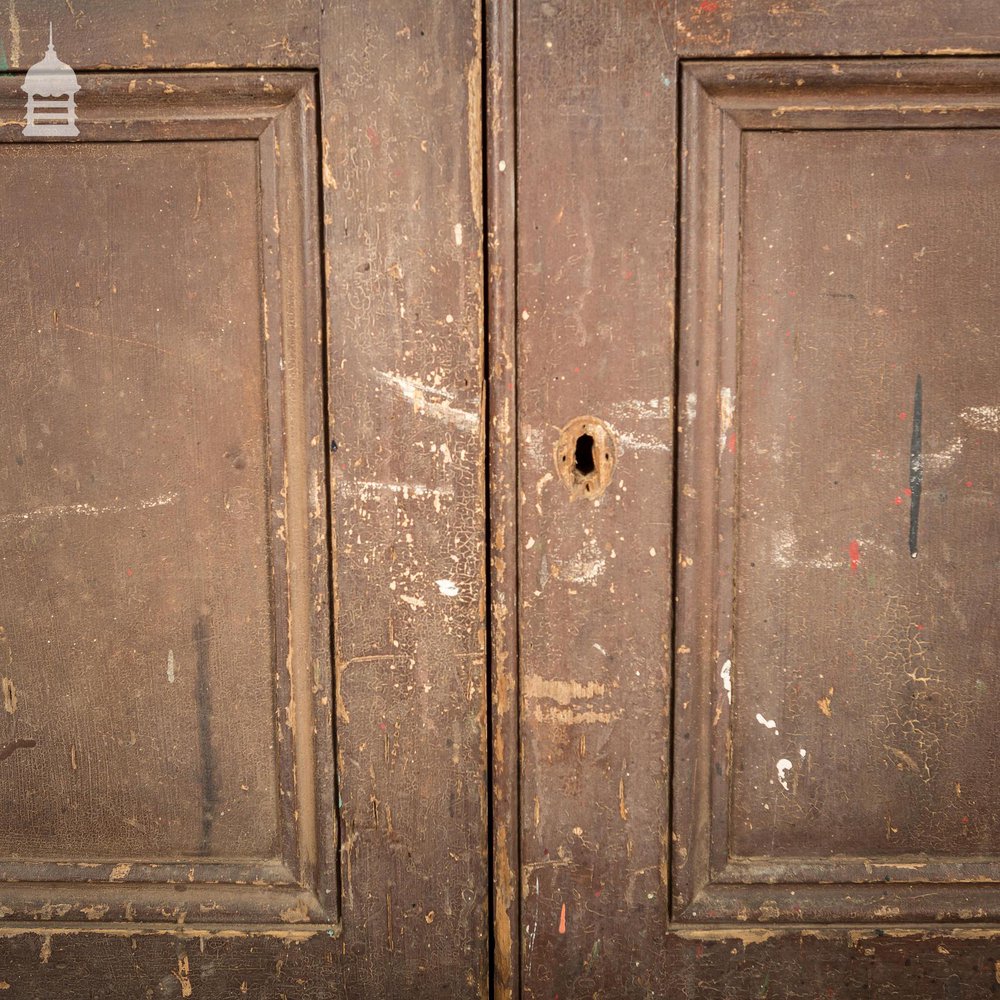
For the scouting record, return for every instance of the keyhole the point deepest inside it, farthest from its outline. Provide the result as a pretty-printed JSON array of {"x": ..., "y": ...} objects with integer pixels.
[{"x": 583, "y": 455}]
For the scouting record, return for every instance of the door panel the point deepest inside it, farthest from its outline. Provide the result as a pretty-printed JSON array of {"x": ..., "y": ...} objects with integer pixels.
[
  {"x": 242, "y": 498},
  {"x": 165, "y": 671},
  {"x": 838, "y": 530},
  {"x": 829, "y": 530}
]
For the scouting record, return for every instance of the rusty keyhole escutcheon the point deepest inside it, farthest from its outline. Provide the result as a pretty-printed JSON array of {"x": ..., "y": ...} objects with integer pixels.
[{"x": 585, "y": 457}]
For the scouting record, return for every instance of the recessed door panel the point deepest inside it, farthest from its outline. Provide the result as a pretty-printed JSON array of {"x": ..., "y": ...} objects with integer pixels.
[
  {"x": 837, "y": 570},
  {"x": 164, "y": 674}
]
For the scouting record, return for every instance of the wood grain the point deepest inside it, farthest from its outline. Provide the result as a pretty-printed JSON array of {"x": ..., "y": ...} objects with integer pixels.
[
  {"x": 596, "y": 100},
  {"x": 404, "y": 243}
]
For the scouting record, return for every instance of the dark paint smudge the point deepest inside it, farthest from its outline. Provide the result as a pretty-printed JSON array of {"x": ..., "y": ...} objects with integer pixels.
[
  {"x": 8, "y": 748},
  {"x": 209, "y": 781},
  {"x": 916, "y": 465}
]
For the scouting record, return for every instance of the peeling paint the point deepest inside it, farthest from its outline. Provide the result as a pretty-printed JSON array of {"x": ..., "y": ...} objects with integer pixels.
[{"x": 784, "y": 766}]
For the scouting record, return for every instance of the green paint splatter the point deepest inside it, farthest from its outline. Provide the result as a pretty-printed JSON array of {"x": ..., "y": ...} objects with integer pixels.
[{"x": 4, "y": 65}]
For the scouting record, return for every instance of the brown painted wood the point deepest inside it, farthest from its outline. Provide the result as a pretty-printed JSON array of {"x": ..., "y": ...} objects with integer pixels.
[
  {"x": 707, "y": 28},
  {"x": 596, "y": 99},
  {"x": 501, "y": 189},
  {"x": 182, "y": 34},
  {"x": 404, "y": 250},
  {"x": 150, "y": 429},
  {"x": 244, "y": 375},
  {"x": 832, "y": 751}
]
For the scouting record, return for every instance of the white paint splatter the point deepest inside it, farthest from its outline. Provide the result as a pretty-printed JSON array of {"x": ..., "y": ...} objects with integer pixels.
[
  {"x": 690, "y": 407},
  {"x": 366, "y": 487},
  {"x": 638, "y": 442},
  {"x": 447, "y": 587},
  {"x": 584, "y": 567},
  {"x": 945, "y": 459},
  {"x": 768, "y": 723},
  {"x": 650, "y": 409},
  {"x": 439, "y": 406},
  {"x": 458, "y": 234},
  {"x": 784, "y": 554},
  {"x": 727, "y": 680},
  {"x": 784, "y": 766},
  {"x": 727, "y": 408},
  {"x": 983, "y": 418},
  {"x": 171, "y": 671},
  {"x": 600, "y": 649},
  {"x": 88, "y": 510},
  {"x": 802, "y": 752}
]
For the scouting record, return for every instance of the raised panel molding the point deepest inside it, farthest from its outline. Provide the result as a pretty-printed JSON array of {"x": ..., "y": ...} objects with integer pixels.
[
  {"x": 725, "y": 869},
  {"x": 263, "y": 129}
]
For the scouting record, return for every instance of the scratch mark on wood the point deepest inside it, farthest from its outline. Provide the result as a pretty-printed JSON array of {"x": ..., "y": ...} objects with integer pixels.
[
  {"x": 209, "y": 781},
  {"x": 441, "y": 407},
  {"x": 9, "y": 696},
  {"x": 183, "y": 975},
  {"x": 15, "y": 37},
  {"x": 916, "y": 466},
  {"x": 88, "y": 510}
]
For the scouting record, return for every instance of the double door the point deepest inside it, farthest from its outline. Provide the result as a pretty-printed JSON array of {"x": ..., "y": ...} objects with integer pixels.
[{"x": 500, "y": 500}]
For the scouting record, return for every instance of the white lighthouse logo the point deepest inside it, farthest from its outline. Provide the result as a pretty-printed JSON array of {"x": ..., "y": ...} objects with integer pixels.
[{"x": 51, "y": 88}]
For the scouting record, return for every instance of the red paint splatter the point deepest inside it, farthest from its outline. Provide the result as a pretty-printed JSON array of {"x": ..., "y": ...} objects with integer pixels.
[
  {"x": 128, "y": 572},
  {"x": 965, "y": 819},
  {"x": 908, "y": 491},
  {"x": 855, "y": 549},
  {"x": 731, "y": 443},
  {"x": 562, "y": 920},
  {"x": 708, "y": 6},
  {"x": 968, "y": 482},
  {"x": 898, "y": 501},
  {"x": 902, "y": 416}
]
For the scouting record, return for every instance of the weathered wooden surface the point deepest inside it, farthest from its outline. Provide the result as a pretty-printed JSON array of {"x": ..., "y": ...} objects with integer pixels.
[
  {"x": 166, "y": 677},
  {"x": 837, "y": 493},
  {"x": 832, "y": 964},
  {"x": 790, "y": 415},
  {"x": 501, "y": 225},
  {"x": 157, "y": 251},
  {"x": 596, "y": 95},
  {"x": 402, "y": 174},
  {"x": 835, "y": 27},
  {"x": 126, "y": 34}
]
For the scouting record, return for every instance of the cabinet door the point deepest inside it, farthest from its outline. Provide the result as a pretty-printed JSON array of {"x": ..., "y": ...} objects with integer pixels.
[
  {"x": 756, "y": 295},
  {"x": 242, "y": 738}
]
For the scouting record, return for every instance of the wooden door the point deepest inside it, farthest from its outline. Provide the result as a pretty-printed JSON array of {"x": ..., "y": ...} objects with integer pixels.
[
  {"x": 243, "y": 736},
  {"x": 746, "y": 381}
]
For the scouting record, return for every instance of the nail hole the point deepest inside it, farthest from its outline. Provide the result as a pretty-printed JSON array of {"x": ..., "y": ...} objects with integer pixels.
[{"x": 583, "y": 455}]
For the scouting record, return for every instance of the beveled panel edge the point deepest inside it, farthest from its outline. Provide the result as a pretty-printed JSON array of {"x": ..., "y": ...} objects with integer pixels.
[
  {"x": 852, "y": 94},
  {"x": 133, "y": 107}
]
